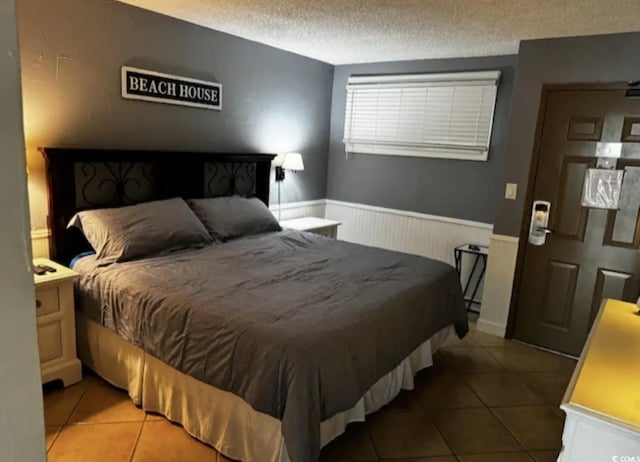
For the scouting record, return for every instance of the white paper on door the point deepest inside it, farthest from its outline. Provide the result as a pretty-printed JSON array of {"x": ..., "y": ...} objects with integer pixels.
[{"x": 602, "y": 188}]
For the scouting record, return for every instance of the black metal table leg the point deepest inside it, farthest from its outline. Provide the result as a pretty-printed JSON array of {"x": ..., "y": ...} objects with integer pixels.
[{"x": 480, "y": 257}]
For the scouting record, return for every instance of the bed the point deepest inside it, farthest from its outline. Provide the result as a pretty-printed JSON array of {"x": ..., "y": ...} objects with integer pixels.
[{"x": 265, "y": 346}]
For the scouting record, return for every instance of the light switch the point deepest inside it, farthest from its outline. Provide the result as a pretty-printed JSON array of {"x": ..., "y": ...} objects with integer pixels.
[{"x": 511, "y": 191}]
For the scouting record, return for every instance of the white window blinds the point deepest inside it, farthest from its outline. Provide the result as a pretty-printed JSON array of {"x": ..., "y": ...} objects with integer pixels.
[{"x": 427, "y": 115}]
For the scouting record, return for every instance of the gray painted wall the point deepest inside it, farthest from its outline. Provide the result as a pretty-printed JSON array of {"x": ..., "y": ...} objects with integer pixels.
[
  {"x": 21, "y": 417},
  {"x": 72, "y": 51},
  {"x": 605, "y": 58},
  {"x": 452, "y": 188}
]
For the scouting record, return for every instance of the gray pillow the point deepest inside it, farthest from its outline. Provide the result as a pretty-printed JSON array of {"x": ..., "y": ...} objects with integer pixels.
[
  {"x": 230, "y": 217},
  {"x": 126, "y": 233}
]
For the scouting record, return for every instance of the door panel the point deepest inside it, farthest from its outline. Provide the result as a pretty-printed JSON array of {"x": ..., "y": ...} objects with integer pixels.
[
  {"x": 559, "y": 293},
  {"x": 592, "y": 253},
  {"x": 622, "y": 224},
  {"x": 571, "y": 221},
  {"x": 610, "y": 284}
]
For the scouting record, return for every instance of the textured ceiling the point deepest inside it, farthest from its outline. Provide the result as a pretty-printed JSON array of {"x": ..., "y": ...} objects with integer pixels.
[{"x": 354, "y": 31}]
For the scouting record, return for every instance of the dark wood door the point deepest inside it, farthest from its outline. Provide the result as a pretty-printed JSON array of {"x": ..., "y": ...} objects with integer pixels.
[{"x": 591, "y": 253}]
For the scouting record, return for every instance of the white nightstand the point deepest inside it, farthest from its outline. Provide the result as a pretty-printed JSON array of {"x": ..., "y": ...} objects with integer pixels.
[
  {"x": 315, "y": 225},
  {"x": 56, "y": 324}
]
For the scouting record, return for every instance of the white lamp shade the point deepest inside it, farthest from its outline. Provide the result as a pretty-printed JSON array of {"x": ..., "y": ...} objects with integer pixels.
[{"x": 293, "y": 161}]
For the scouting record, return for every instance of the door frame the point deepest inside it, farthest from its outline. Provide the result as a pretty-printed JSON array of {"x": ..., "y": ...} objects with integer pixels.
[{"x": 533, "y": 171}]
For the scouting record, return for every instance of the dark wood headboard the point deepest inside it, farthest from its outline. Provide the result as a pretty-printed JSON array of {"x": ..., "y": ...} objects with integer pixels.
[{"x": 83, "y": 179}]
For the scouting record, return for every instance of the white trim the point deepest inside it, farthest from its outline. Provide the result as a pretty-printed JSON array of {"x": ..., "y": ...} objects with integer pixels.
[
  {"x": 490, "y": 327},
  {"x": 42, "y": 233},
  {"x": 418, "y": 215},
  {"x": 485, "y": 76},
  {"x": 295, "y": 205},
  {"x": 498, "y": 286},
  {"x": 505, "y": 238}
]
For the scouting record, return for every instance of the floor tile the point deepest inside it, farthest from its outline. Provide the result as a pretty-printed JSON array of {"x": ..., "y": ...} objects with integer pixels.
[
  {"x": 105, "y": 403},
  {"x": 438, "y": 364},
  {"x": 354, "y": 444},
  {"x": 551, "y": 386},
  {"x": 482, "y": 339},
  {"x": 536, "y": 427},
  {"x": 502, "y": 389},
  {"x": 469, "y": 360},
  {"x": 161, "y": 441},
  {"x": 474, "y": 431},
  {"x": 96, "y": 443},
  {"x": 399, "y": 434},
  {"x": 566, "y": 364},
  {"x": 545, "y": 456},
  {"x": 454, "y": 342},
  {"x": 517, "y": 357},
  {"x": 500, "y": 457},
  {"x": 152, "y": 416},
  {"x": 405, "y": 401},
  {"x": 59, "y": 403},
  {"x": 51, "y": 433},
  {"x": 445, "y": 391},
  {"x": 426, "y": 459}
]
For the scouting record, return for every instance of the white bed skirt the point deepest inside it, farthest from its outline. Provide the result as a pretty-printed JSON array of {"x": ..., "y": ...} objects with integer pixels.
[{"x": 219, "y": 418}]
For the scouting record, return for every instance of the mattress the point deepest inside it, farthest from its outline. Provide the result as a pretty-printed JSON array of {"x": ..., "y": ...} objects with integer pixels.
[{"x": 297, "y": 325}]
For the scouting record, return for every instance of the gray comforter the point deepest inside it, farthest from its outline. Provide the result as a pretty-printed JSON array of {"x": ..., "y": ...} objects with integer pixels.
[{"x": 298, "y": 325}]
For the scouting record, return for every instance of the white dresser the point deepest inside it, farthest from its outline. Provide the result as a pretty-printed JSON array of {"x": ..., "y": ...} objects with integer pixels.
[
  {"x": 315, "y": 225},
  {"x": 56, "y": 324},
  {"x": 602, "y": 402}
]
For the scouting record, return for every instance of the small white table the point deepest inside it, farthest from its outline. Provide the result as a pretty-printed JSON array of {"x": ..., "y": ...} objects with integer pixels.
[
  {"x": 56, "y": 324},
  {"x": 314, "y": 225}
]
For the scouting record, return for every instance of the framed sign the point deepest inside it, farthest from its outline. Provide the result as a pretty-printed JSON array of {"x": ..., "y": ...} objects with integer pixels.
[{"x": 157, "y": 87}]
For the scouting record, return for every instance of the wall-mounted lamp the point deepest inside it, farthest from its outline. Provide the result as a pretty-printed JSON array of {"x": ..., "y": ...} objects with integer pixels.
[{"x": 289, "y": 161}]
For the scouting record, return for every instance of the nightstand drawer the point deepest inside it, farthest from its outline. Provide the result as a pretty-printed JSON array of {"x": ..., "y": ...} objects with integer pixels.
[
  {"x": 330, "y": 231},
  {"x": 50, "y": 341},
  {"x": 47, "y": 300}
]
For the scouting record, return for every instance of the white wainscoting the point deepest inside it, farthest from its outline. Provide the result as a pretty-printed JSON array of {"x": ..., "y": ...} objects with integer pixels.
[
  {"x": 40, "y": 243},
  {"x": 416, "y": 233},
  {"x": 291, "y": 210}
]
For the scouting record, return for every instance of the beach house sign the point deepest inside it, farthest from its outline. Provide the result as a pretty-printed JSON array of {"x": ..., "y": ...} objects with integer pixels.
[{"x": 157, "y": 87}]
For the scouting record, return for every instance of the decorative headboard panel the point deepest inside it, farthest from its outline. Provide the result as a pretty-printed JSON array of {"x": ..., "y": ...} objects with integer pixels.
[{"x": 82, "y": 179}]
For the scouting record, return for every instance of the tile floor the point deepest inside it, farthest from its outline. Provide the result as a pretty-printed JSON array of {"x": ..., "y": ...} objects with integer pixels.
[{"x": 485, "y": 400}]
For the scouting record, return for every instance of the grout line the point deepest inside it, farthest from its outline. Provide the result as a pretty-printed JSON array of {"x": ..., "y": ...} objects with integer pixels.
[
  {"x": 66, "y": 421},
  {"x": 75, "y": 406},
  {"x": 54, "y": 439},
  {"x": 508, "y": 430},
  {"x": 373, "y": 442},
  {"x": 135, "y": 446}
]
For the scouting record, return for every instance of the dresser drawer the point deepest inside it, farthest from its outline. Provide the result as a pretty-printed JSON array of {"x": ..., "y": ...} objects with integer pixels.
[
  {"x": 47, "y": 300},
  {"x": 50, "y": 341}
]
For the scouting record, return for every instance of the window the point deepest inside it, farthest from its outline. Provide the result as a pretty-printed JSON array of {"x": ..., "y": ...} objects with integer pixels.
[{"x": 425, "y": 115}]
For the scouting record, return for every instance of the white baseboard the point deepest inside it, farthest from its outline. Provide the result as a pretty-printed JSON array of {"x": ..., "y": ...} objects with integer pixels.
[{"x": 492, "y": 328}]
